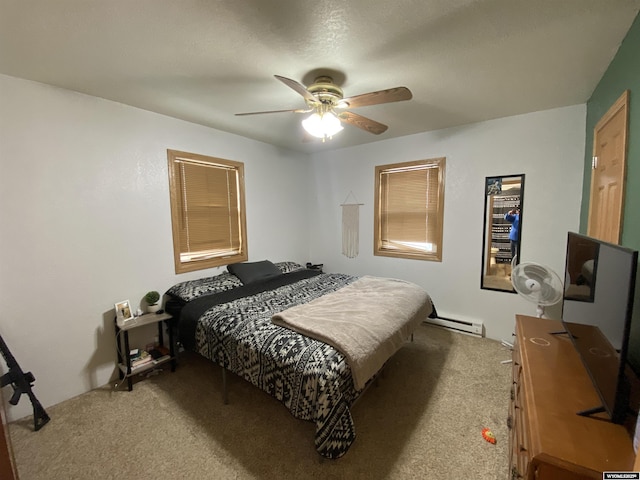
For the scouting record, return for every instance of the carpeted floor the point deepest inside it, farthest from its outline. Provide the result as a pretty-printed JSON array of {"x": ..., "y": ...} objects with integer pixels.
[{"x": 422, "y": 419}]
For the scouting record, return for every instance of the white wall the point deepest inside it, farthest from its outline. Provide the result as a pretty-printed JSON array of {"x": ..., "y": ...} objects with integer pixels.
[
  {"x": 548, "y": 147},
  {"x": 85, "y": 222},
  {"x": 85, "y": 217}
]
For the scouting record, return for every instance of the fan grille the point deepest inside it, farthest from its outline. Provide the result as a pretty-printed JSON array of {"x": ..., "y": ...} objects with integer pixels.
[{"x": 537, "y": 283}]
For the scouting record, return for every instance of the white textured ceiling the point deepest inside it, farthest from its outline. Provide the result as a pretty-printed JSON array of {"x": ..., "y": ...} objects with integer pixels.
[{"x": 204, "y": 60}]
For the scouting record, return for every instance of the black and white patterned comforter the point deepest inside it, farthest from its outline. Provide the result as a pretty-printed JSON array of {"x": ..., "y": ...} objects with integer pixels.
[{"x": 310, "y": 378}]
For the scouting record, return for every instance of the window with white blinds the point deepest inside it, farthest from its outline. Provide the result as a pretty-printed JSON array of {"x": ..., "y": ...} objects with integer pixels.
[
  {"x": 207, "y": 211},
  {"x": 409, "y": 209}
]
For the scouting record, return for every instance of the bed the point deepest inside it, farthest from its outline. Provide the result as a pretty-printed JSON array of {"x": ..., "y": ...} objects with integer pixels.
[{"x": 266, "y": 322}]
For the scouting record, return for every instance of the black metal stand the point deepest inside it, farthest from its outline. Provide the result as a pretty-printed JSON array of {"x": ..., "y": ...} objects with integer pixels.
[{"x": 123, "y": 354}]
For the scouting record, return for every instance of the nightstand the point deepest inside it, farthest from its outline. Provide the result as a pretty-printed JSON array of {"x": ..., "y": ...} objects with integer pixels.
[{"x": 122, "y": 337}]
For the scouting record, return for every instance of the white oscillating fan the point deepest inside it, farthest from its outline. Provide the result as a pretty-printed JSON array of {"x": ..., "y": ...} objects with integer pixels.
[{"x": 538, "y": 284}]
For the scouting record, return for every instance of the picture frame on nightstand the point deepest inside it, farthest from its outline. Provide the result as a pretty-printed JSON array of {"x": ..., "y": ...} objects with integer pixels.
[{"x": 124, "y": 312}]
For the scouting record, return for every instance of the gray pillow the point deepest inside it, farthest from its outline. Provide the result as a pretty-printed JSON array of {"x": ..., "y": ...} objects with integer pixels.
[{"x": 251, "y": 272}]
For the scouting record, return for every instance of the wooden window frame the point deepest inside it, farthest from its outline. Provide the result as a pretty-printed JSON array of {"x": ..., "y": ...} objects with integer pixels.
[
  {"x": 209, "y": 258},
  {"x": 384, "y": 247}
]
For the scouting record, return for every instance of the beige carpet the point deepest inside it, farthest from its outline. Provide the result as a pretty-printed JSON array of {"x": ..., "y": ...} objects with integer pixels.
[{"x": 421, "y": 420}]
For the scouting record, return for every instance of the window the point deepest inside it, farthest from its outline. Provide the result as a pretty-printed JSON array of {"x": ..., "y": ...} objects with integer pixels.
[
  {"x": 207, "y": 211},
  {"x": 409, "y": 209}
]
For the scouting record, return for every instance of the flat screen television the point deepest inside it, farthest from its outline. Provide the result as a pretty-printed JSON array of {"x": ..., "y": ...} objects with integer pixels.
[{"x": 597, "y": 307}]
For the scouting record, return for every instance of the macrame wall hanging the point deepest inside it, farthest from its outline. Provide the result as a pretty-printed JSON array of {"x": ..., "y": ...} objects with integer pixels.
[{"x": 350, "y": 227}]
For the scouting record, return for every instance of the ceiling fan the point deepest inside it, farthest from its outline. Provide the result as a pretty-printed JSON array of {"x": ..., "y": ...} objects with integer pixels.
[{"x": 328, "y": 107}]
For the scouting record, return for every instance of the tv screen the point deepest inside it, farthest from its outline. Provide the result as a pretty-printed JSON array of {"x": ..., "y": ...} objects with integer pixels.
[{"x": 596, "y": 313}]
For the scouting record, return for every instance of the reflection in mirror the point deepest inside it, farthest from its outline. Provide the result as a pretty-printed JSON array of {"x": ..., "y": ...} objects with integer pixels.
[{"x": 502, "y": 231}]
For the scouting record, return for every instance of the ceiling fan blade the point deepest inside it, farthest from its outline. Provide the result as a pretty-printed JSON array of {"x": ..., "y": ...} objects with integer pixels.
[
  {"x": 364, "y": 123},
  {"x": 389, "y": 95},
  {"x": 298, "y": 87},
  {"x": 297, "y": 110}
]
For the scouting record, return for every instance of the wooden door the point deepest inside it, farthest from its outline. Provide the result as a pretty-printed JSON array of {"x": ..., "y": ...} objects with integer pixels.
[{"x": 606, "y": 201}]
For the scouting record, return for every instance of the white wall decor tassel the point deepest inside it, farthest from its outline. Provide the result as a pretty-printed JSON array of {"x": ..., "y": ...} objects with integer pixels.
[{"x": 350, "y": 229}]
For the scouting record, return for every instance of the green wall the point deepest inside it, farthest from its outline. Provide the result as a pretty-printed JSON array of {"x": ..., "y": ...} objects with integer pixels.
[{"x": 623, "y": 74}]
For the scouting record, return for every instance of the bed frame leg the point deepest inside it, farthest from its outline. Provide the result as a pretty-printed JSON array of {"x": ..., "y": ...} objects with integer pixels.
[{"x": 225, "y": 395}]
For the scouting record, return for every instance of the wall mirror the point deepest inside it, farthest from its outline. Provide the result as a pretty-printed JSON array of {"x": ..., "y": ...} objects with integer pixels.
[{"x": 502, "y": 231}]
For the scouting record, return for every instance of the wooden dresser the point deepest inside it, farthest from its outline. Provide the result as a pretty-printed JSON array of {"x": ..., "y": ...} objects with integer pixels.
[{"x": 548, "y": 440}]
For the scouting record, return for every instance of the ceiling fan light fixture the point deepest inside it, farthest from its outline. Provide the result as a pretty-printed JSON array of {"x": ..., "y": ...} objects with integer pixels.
[
  {"x": 324, "y": 96},
  {"x": 322, "y": 125}
]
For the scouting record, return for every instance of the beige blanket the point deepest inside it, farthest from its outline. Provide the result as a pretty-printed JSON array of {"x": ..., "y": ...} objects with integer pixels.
[{"x": 367, "y": 320}]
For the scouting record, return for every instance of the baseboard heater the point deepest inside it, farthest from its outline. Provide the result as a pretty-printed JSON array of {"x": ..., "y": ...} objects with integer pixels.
[{"x": 470, "y": 327}]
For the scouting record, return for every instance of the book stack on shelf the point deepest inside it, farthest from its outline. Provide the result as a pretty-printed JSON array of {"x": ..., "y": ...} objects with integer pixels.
[
  {"x": 139, "y": 358},
  {"x": 142, "y": 358}
]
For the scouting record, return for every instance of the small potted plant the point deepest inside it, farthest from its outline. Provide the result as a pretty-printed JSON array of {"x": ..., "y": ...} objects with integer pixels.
[{"x": 152, "y": 298}]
